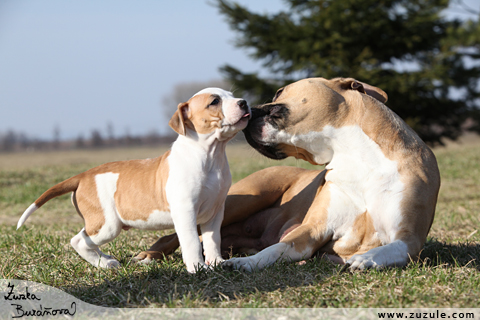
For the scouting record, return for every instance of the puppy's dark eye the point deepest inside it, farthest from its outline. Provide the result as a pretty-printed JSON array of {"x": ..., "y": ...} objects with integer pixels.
[{"x": 215, "y": 102}]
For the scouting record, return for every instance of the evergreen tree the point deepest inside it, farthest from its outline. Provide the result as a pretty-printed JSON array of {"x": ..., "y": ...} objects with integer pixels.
[{"x": 405, "y": 47}]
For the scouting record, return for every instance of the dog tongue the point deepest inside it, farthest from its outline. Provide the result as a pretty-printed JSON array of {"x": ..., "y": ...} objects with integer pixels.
[{"x": 246, "y": 115}]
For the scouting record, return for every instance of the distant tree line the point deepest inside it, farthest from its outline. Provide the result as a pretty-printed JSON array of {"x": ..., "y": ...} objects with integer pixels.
[{"x": 12, "y": 141}]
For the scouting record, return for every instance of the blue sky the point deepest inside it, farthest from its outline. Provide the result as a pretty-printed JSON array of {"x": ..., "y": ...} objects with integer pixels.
[{"x": 79, "y": 65}]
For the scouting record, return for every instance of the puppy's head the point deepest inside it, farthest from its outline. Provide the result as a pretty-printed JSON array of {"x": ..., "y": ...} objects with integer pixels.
[
  {"x": 286, "y": 126},
  {"x": 211, "y": 111}
]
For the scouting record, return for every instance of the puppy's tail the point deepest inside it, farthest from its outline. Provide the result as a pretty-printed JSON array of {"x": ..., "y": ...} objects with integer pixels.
[{"x": 66, "y": 186}]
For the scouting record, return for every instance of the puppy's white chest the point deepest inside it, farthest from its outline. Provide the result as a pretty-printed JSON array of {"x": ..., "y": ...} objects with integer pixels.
[
  {"x": 197, "y": 182},
  {"x": 213, "y": 193}
]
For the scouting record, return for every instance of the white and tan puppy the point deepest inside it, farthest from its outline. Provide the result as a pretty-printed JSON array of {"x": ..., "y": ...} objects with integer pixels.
[
  {"x": 377, "y": 198},
  {"x": 183, "y": 188}
]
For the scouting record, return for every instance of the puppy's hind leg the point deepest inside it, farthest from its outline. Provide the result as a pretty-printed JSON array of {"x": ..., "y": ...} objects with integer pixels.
[
  {"x": 90, "y": 251},
  {"x": 102, "y": 223}
]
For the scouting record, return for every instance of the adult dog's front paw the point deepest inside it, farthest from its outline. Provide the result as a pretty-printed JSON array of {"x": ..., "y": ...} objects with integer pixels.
[
  {"x": 394, "y": 254},
  {"x": 242, "y": 264},
  {"x": 362, "y": 262}
]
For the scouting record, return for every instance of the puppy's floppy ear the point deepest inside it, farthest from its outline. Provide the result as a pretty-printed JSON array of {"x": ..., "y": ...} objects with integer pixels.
[
  {"x": 372, "y": 91},
  {"x": 177, "y": 122}
]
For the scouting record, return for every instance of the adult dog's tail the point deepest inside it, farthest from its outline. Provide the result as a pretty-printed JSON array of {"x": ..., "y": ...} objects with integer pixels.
[{"x": 63, "y": 187}]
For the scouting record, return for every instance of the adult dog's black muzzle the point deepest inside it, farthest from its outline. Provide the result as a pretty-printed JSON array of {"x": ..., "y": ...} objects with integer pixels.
[{"x": 271, "y": 114}]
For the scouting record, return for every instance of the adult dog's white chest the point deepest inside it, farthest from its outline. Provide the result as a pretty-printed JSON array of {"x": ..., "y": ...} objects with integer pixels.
[{"x": 364, "y": 179}]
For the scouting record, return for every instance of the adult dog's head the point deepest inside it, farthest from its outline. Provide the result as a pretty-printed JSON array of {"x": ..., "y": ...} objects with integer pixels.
[{"x": 289, "y": 124}]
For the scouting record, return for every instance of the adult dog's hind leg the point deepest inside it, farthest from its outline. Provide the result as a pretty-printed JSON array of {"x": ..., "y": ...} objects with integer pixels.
[
  {"x": 163, "y": 247},
  {"x": 297, "y": 245}
]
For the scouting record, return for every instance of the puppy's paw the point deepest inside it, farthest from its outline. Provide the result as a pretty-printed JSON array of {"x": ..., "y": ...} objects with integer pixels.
[
  {"x": 214, "y": 262},
  {"x": 109, "y": 262},
  {"x": 113, "y": 263},
  {"x": 198, "y": 267}
]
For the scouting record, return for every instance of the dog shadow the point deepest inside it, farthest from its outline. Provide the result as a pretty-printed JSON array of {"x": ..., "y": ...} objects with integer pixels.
[
  {"x": 437, "y": 253},
  {"x": 167, "y": 284}
]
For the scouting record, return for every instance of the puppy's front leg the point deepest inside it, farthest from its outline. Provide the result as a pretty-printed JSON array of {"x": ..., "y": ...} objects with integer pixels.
[
  {"x": 211, "y": 238},
  {"x": 185, "y": 221}
]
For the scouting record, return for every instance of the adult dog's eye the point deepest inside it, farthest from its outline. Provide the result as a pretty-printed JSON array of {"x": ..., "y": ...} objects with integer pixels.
[{"x": 279, "y": 92}]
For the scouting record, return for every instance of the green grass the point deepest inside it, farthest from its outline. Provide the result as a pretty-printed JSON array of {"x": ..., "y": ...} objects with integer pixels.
[{"x": 448, "y": 274}]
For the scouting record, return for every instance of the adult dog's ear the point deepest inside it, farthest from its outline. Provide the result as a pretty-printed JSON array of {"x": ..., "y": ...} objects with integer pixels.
[
  {"x": 177, "y": 122},
  {"x": 372, "y": 91}
]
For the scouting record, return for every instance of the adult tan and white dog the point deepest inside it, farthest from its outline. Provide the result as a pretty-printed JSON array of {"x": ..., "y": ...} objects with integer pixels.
[
  {"x": 371, "y": 208},
  {"x": 183, "y": 188}
]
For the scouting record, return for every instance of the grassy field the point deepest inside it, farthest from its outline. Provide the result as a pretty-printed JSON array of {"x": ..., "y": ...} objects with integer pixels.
[{"x": 448, "y": 274}]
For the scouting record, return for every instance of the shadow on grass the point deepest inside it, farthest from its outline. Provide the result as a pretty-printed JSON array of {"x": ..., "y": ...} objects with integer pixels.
[
  {"x": 167, "y": 284},
  {"x": 437, "y": 253}
]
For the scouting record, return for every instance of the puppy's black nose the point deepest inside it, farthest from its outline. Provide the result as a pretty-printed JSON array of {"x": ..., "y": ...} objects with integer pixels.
[{"x": 243, "y": 105}]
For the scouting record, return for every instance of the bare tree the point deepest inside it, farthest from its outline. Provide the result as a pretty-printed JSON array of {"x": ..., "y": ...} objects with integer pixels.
[
  {"x": 110, "y": 134},
  {"x": 8, "y": 141},
  {"x": 80, "y": 142},
  {"x": 56, "y": 137},
  {"x": 96, "y": 139}
]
